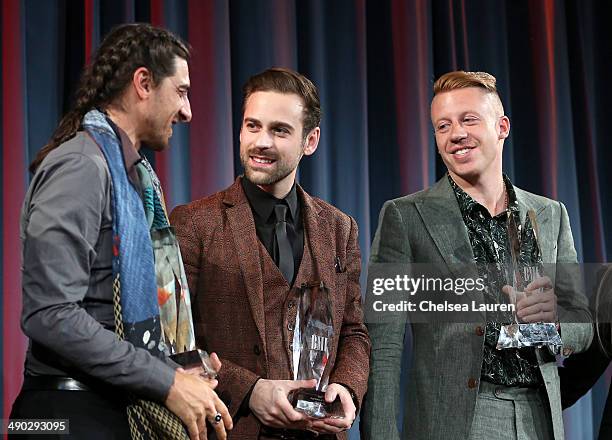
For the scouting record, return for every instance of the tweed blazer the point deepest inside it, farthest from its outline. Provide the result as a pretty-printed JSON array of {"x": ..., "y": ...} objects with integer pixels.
[
  {"x": 427, "y": 227},
  {"x": 231, "y": 277}
]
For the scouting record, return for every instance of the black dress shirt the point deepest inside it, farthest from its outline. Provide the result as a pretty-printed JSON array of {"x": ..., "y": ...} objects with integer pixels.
[
  {"x": 262, "y": 206},
  {"x": 489, "y": 239}
]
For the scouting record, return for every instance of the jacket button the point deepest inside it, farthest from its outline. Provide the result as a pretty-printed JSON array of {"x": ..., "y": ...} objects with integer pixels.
[
  {"x": 290, "y": 327},
  {"x": 472, "y": 383},
  {"x": 256, "y": 350},
  {"x": 479, "y": 331}
]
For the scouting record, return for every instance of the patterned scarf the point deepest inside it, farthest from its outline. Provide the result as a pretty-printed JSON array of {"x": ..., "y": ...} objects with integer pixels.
[{"x": 148, "y": 272}]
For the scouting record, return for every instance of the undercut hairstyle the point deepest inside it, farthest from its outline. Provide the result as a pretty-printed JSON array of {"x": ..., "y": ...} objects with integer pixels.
[
  {"x": 281, "y": 80},
  {"x": 461, "y": 80},
  {"x": 125, "y": 49}
]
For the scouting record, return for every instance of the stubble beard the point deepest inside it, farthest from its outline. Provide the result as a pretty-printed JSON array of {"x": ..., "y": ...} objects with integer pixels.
[
  {"x": 156, "y": 138},
  {"x": 281, "y": 171},
  {"x": 157, "y": 144}
]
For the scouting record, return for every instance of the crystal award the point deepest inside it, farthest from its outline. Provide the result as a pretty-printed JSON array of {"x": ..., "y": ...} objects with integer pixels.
[
  {"x": 311, "y": 352},
  {"x": 526, "y": 267}
]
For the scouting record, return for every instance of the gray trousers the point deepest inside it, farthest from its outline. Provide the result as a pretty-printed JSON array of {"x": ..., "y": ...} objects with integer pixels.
[{"x": 511, "y": 413}]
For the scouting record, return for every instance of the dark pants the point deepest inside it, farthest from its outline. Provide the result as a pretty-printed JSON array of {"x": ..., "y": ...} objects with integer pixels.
[{"x": 90, "y": 415}]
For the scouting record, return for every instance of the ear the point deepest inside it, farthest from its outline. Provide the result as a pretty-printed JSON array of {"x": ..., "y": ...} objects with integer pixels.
[
  {"x": 504, "y": 127},
  {"x": 142, "y": 81},
  {"x": 312, "y": 141}
]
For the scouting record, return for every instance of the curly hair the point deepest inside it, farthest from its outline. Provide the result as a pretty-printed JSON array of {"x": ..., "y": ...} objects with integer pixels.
[{"x": 125, "y": 49}]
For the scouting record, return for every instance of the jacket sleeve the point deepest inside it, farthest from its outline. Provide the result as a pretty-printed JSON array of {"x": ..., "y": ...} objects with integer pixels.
[
  {"x": 382, "y": 403},
  {"x": 353, "y": 356},
  {"x": 573, "y": 310}
]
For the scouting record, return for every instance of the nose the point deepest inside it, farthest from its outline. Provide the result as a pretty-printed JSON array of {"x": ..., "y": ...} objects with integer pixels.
[
  {"x": 264, "y": 140},
  {"x": 185, "y": 111},
  {"x": 457, "y": 133}
]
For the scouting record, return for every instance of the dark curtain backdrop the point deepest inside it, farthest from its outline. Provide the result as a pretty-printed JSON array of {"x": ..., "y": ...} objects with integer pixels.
[{"x": 374, "y": 63}]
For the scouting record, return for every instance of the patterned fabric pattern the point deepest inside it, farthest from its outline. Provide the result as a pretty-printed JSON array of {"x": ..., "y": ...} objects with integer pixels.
[
  {"x": 153, "y": 196},
  {"x": 137, "y": 264},
  {"x": 489, "y": 239},
  {"x": 147, "y": 420},
  {"x": 132, "y": 250}
]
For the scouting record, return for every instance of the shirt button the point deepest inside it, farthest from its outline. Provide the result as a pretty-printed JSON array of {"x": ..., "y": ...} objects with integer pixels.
[
  {"x": 479, "y": 331},
  {"x": 256, "y": 350},
  {"x": 472, "y": 383},
  {"x": 290, "y": 327},
  {"x": 291, "y": 304}
]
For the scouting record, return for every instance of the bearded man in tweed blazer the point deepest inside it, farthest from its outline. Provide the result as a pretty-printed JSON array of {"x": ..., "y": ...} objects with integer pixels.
[{"x": 245, "y": 296}]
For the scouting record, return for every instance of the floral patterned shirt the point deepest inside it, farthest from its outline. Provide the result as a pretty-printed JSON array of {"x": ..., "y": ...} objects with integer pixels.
[{"x": 489, "y": 239}]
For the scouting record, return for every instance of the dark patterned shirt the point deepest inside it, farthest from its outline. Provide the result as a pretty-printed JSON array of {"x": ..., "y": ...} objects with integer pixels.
[{"x": 489, "y": 239}]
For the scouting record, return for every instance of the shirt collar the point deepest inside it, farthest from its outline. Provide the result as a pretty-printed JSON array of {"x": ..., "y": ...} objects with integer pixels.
[
  {"x": 263, "y": 203},
  {"x": 130, "y": 153},
  {"x": 468, "y": 205}
]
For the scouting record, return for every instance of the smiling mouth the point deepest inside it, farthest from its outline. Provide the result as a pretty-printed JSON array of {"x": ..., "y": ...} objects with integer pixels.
[
  {"x": 262, "y": 160},
  {"x": 462, "y": 152}
]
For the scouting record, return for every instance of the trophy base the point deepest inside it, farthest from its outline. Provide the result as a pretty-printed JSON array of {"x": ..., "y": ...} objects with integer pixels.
[
  {"x": 313, "y": 404},
  {"x": 196, "y": 359},
  {"x": 530, "y": 335}
]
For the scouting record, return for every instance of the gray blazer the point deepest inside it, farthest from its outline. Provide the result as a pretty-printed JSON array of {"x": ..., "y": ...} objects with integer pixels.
[{"x": 427, "y": 227}]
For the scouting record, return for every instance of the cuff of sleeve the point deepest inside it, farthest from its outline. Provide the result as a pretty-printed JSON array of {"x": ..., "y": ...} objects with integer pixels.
[
  {"x": 245, "y": 409},
  {"x": 160, "y": 380},
  {"x": 576, "y": 337},
  {"x": 353, "y": 396},
  {"x": 235, "y": 386}
]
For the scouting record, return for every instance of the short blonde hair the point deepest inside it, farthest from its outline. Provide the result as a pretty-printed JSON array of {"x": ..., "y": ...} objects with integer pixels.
[{"x": 460, "y": 80}]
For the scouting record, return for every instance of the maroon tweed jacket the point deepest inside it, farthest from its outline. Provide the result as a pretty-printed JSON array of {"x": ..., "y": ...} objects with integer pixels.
[{"x": 244, "y": 309}]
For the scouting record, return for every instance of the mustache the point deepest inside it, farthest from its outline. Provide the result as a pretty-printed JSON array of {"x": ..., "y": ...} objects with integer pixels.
[{"x": 265, "y": 154}]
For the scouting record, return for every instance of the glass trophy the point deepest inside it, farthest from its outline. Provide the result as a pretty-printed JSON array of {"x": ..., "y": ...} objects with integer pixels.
[
  {"x": 174, "y": 301},
  {"x": 526, "y": 267},
  {"x": 196, "y": 359},
  {"x": 311, "y": 352}
]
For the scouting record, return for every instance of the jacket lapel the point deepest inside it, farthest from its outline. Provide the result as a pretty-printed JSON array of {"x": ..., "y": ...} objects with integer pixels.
[
  {"x": 242, "y": 225},
  {"x": 319, "y": 238},
  {"x": 442, "y": 218},
  {"x": 546, "y": 239}
]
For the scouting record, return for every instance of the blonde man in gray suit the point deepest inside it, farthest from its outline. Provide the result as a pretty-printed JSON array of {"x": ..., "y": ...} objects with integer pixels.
[{"x": 460, "y": 386}]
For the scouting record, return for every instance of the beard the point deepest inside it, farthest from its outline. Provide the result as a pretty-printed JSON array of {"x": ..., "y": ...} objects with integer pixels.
[
  {"x": 156, "y": 140},
  {"x": 281, "y": 168},
  {"x": 157, "y": 135}
]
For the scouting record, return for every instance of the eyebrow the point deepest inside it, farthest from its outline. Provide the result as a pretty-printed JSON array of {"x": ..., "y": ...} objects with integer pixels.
[
  {"x": 274, "y": 124},
  {"x": 280, "y": 124},
  {"x": 461, "y": 115}
]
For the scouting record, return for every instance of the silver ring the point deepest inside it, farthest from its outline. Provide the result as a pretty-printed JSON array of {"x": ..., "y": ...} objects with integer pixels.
[{"x": 217, "y": 419}]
